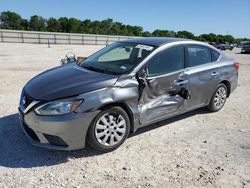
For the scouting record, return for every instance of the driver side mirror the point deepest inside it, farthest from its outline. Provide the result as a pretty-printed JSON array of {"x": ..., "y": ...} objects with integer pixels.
[{"x": 143, "y": 75}]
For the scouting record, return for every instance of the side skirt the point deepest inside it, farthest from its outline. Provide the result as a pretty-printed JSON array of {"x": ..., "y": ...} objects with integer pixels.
[{"x": 171, "y": 115}]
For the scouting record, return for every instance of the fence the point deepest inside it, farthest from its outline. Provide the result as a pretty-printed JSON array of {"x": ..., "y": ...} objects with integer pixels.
[{"x": 14, "y": 36}]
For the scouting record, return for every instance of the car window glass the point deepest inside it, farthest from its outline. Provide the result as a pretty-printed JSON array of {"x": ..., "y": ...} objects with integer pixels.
[
  {"x": 118, "y": 58},
  {"x": 167, "y": 61},
  {"x": 198, "y": 55},
  {"x": 215, "y": 55},
  {"x": 116, "y": 54}
]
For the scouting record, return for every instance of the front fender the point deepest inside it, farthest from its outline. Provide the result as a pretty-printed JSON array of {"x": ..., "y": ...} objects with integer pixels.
[{"x": 95, "y": 100}]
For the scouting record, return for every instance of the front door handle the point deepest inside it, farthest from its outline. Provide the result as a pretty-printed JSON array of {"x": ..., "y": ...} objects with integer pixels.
[
  {"x": 214, "y": 74},
  {"x": 181, "y": 82}
]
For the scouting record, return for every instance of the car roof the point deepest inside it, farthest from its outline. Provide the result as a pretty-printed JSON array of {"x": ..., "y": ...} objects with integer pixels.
[{"x": 155, "y": 41}]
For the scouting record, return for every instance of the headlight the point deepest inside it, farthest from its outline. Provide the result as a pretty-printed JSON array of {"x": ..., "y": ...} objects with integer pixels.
[{"x": 58, "y": 108}]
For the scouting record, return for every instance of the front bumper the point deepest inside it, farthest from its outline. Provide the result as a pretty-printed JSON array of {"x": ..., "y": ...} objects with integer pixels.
[{"x": 64, "y": 132}]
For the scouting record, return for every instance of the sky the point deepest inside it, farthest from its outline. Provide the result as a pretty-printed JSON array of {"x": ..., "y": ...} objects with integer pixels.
[{"x": 197, "y": 16}]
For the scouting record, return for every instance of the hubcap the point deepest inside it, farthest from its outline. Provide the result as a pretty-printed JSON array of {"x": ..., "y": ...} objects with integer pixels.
[
  {"x": 110, "y": 129},
  {"x": 220, "y": 97}
]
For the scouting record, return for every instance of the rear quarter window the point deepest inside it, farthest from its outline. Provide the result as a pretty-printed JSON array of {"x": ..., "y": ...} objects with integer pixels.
[{"x": 215, "y": 55}]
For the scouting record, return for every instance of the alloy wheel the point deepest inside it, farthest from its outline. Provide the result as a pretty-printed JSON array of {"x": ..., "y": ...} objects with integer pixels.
[
  {"x": 110, "y": 129},
  {"x": 220, "y": 97}
]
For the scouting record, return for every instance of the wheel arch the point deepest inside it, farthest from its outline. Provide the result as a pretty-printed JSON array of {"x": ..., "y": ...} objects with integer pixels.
[
  {"x": 126, "y": 108},
  {"x": 228, "y": 85}
]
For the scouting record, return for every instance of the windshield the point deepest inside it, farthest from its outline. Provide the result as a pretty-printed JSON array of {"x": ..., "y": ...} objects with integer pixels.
[{"x": 118, "y": 58}]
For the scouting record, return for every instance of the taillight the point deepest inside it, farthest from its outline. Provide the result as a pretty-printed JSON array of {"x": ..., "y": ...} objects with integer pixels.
[{"x": 236, "y": 66}]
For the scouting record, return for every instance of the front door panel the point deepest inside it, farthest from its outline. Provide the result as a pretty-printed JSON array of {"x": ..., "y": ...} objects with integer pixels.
[{"x": 161, "y": 96}]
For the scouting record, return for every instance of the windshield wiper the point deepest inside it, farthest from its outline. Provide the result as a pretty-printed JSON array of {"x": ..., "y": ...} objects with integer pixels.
[
  {"x": 99, "y": 70},
  {"x": 91, "y": 68}
]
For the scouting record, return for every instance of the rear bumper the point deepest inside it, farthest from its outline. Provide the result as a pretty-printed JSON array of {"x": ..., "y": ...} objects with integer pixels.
[{"x": 64, "y": 132}]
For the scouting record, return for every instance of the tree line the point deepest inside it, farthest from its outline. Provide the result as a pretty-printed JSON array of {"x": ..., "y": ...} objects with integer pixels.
[{"x": 13, "y": 21}]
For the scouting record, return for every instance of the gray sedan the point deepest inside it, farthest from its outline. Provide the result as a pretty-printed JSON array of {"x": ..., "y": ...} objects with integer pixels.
[{"x": 124, "y": 86}]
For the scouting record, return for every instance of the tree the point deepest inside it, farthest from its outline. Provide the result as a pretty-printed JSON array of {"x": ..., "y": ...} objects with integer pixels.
[
  {"x": 37, "y": 23},
  {"x": 74, "y": 25},
  {"x": 211, "y": 37},
  {"x": 229, "y": 38},
  {"x": 85, "y": 26},
  {"x": 137, "y": 30},
  {"x": 95, "y": 27},
  {"x": 220, "y": 38},
  {"x": 185, "y": 34},
  {"x": 25, "y": 24},
  {"x": 106, "y": 26},
  {"x": 53, "y": 25},
  {"x": 146, "y": 34},
  {"x": 117, "y": 28},
  {"x": 163, "y": 33},
  {"x": 123, "y": 29},
  {"x": 64, "y": 24},
  {"x": 10, "y": 20}
]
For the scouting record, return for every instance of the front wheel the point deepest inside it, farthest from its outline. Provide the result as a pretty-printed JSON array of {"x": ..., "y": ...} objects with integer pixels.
[
  {"x": 219, "y": 98},
  {"x": 109, "y": 129}
]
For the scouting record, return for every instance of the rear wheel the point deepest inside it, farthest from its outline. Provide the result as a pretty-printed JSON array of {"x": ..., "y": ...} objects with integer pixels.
[
  {"x": 109, "y": 129},
  {"x": 219, "y": 98}
]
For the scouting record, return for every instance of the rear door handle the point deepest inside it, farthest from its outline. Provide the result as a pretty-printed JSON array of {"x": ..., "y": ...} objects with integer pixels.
[{"x": 214, "y": 74}]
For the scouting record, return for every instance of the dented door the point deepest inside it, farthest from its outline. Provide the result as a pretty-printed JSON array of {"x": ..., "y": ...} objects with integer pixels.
[{"x": 161, "y": 93}]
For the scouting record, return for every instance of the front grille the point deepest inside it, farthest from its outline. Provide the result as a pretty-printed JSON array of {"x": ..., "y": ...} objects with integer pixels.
[
  {"x": 30, "y": 132},
  {"x": 55, "y": 140}
]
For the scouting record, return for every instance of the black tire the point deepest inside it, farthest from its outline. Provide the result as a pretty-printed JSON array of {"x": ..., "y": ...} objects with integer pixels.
[
  {"x": 212, "y": 107},
  {"x": 91, "y": 136}
]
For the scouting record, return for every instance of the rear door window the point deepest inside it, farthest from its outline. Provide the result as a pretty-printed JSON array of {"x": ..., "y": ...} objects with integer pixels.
[{"x": 198, "y": 55}]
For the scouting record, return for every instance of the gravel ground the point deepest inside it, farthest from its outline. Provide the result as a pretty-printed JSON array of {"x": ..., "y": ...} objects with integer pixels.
[{"x": 192, "y": 150}]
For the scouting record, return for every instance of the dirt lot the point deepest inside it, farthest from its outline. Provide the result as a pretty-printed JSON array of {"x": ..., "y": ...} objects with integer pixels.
[{"x": 192, "y": 150}]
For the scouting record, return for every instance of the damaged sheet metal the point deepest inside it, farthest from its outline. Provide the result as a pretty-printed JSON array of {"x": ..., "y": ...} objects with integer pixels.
[
  {"x": 125, "y": 92},
  {"x": 145, "y": 102},
  {"x": 159, "y": 106},
  {"x": 162, "y": 96}
]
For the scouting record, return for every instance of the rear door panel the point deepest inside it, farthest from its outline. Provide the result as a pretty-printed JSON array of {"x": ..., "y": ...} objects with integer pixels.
[
  {"x": 203, "y": 82},
  {"x": 204, "y": 75}
]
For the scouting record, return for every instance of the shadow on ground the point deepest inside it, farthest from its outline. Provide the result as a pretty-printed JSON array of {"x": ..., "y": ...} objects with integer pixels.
[
  {"x": 17, "y": 152},
  {"x": 242, "y": 53}
]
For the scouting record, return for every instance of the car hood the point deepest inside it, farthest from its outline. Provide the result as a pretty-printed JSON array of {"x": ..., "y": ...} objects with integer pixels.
[{"x": 66, "y": 81}]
